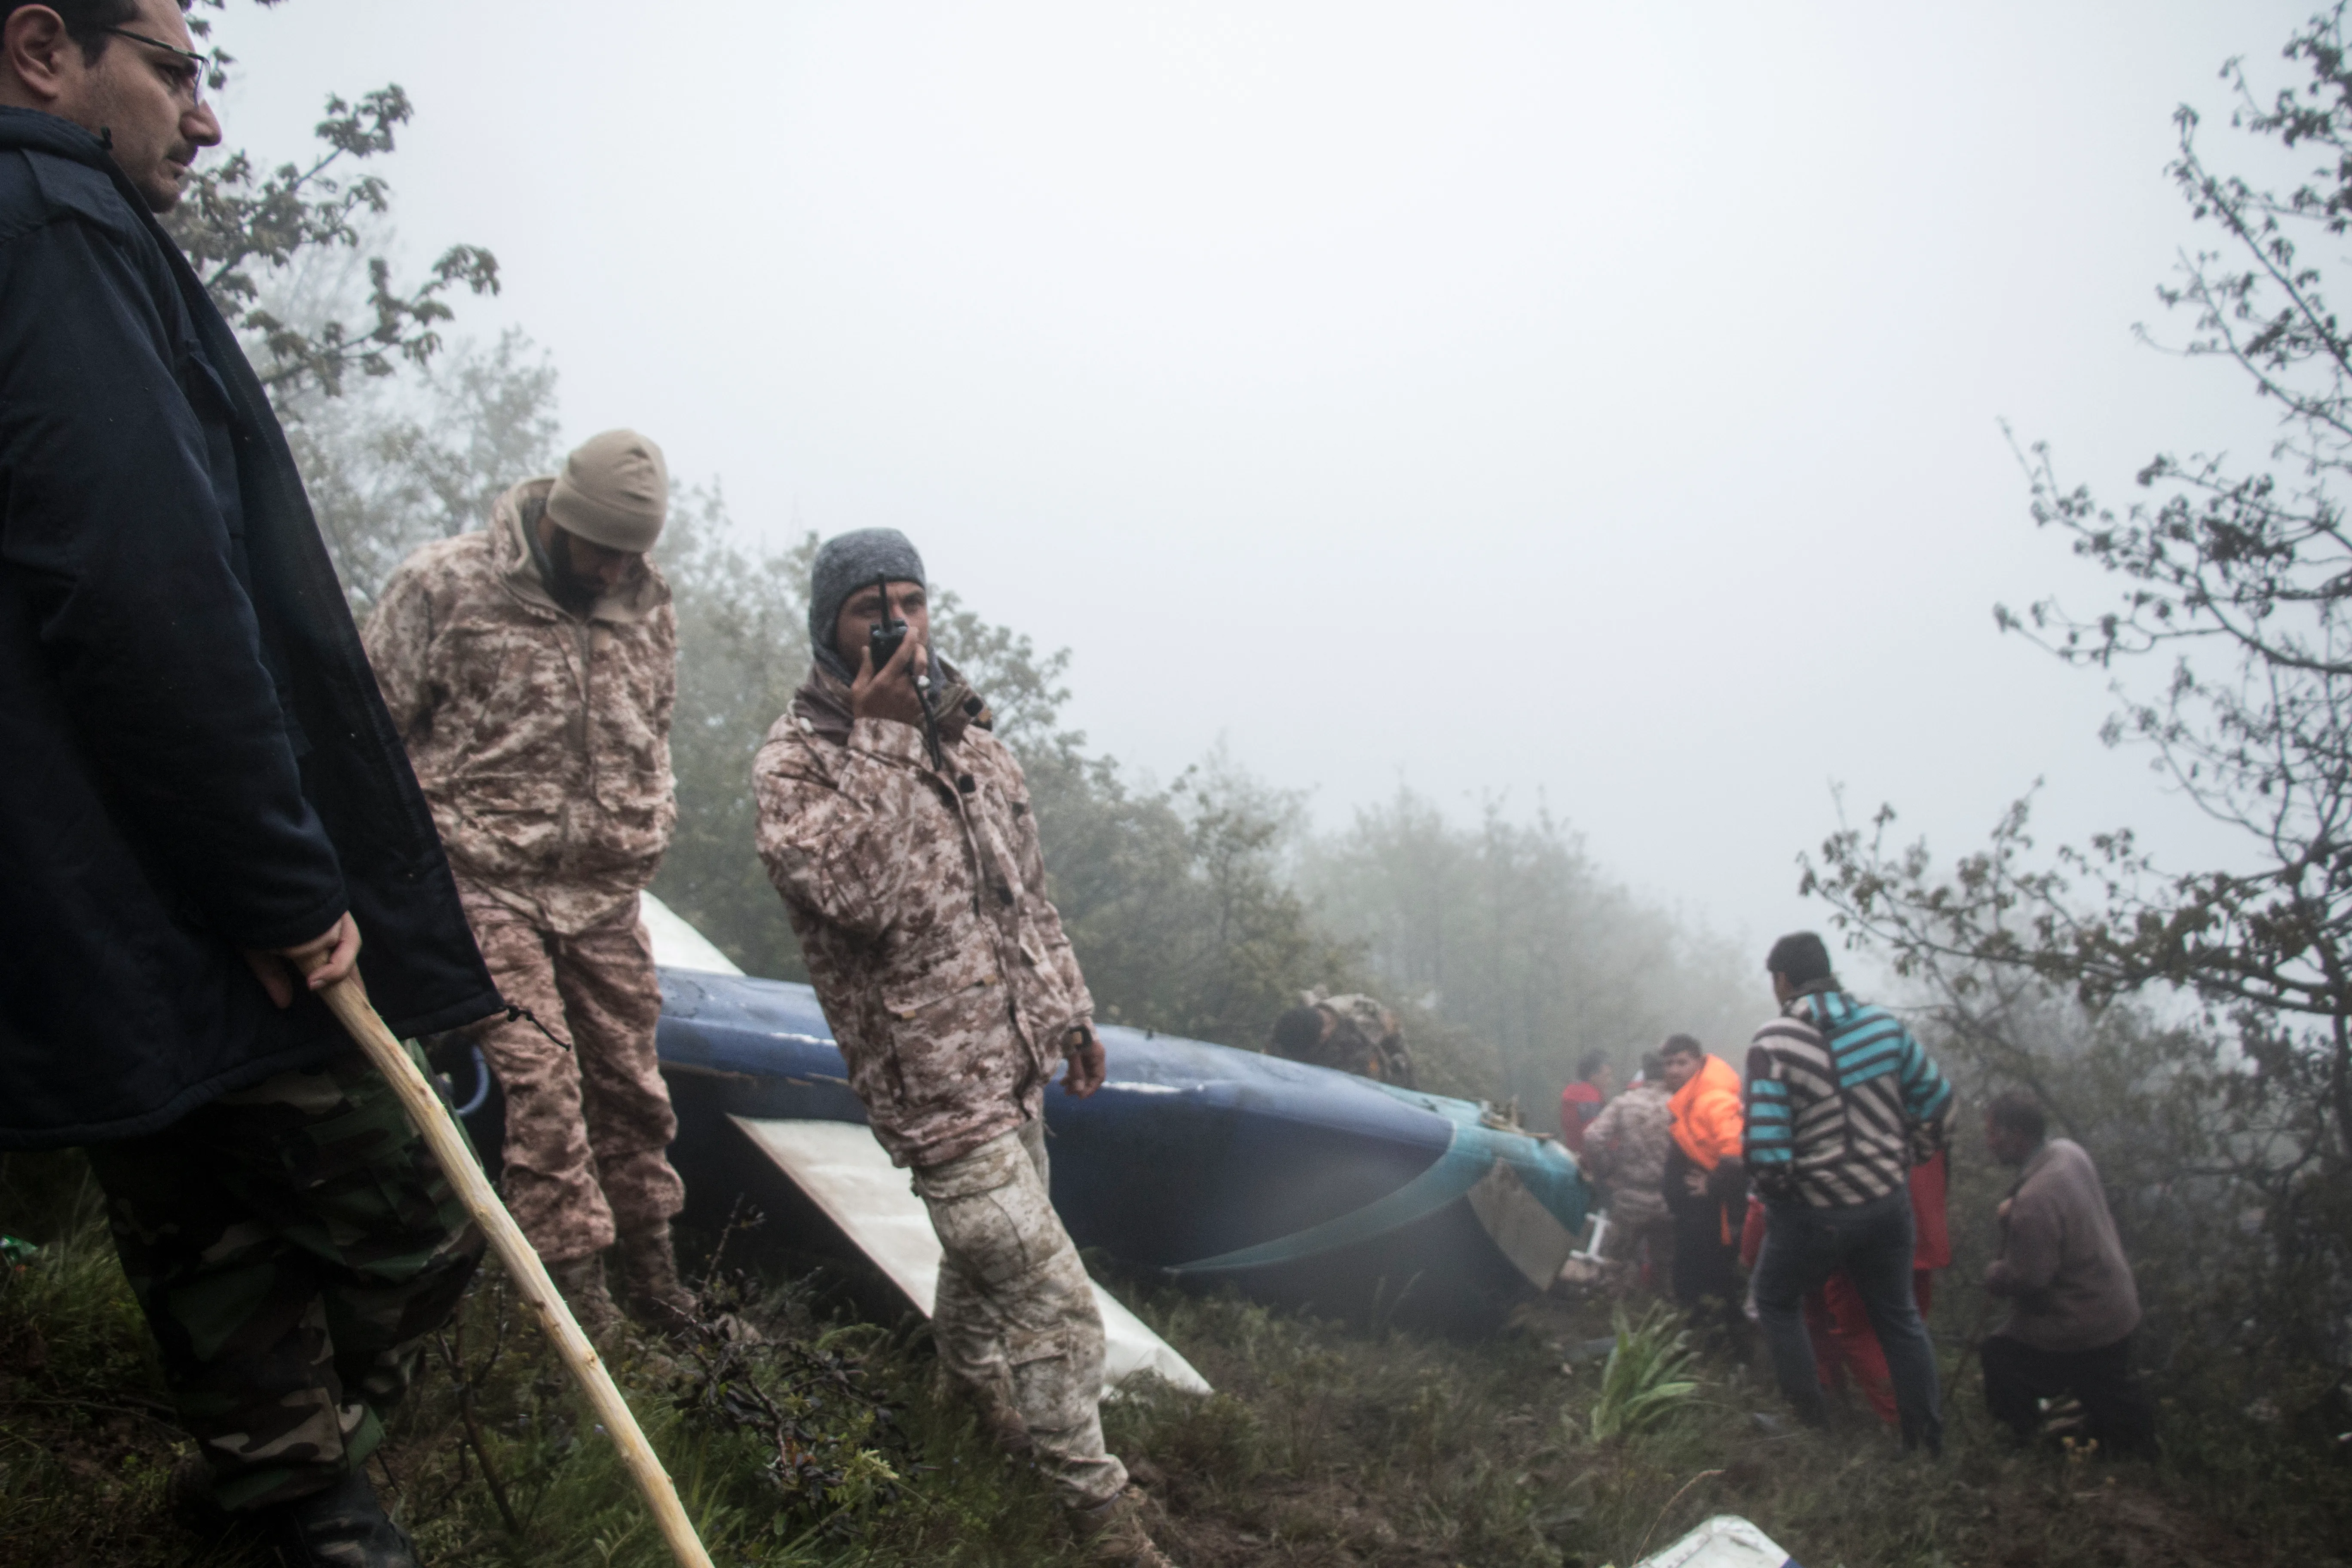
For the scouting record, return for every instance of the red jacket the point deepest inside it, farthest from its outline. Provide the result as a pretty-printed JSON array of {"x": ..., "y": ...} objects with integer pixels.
[
  {"x": 1578, "y": 1104},
  {"x": 1933, "y": 1248}
]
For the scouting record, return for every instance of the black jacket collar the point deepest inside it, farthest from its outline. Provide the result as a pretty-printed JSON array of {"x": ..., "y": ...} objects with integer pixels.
[
  {"x": 34, "y": 130},
  {"x": 31, "y": 129}
]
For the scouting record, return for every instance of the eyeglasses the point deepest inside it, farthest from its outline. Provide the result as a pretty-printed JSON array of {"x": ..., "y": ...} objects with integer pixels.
[{"x": 190, "y": 75}]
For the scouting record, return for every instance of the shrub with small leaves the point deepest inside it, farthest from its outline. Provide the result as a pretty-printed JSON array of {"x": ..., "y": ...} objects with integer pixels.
[{"x": 826, "y": 1432}]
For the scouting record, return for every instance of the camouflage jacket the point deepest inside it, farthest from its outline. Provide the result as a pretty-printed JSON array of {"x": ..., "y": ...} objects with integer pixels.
[
  {"x": 1625, "y": 1148},
  {"x": 918, "y": 895},
  {"x": 542, "y": 738},
  {"x": 1363, "y": 1039}
]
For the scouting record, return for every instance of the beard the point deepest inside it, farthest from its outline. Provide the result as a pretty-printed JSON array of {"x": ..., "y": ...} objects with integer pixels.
[{"x": 575, "y": 591}]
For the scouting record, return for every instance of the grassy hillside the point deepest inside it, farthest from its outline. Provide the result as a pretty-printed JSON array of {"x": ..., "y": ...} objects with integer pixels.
[{"x": 1325, "y": 1445}]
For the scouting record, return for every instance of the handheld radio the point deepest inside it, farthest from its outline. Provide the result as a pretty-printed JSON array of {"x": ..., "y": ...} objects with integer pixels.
[
  {"x": 883, "y": 639},
  {"x": 882, "y": 643}
]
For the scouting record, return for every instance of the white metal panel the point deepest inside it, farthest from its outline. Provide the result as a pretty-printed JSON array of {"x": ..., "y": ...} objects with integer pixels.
[
  {"x": 1727, "y": 1540},
  {"x": 677, "y": 944},
  {"x": 1524, "y": 1230},
  {"x": 846, "y": 1173}
]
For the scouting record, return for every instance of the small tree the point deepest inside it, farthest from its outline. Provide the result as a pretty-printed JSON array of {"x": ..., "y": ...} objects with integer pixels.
[
  {"x": 243, "y": 227},
  {"x": 239, "y": 224},
  {"x": 2240, "y": 577},
  {"x": 2243, "y": 577},
  {"x": 286, "y": 257}
]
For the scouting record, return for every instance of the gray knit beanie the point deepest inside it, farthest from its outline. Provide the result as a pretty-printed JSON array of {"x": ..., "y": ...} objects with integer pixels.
[
  {"x": 613, "y": 491},
  {"x": 844, "y": 563}
]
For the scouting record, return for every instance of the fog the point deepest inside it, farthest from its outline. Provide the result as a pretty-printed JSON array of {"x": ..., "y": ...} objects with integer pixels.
[{"x": 1591, "y": 407}]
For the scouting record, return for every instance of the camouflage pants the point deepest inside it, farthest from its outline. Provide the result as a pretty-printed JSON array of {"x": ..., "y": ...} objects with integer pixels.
[
  {"x": 1647, "y": 1243},
  {"x": 1015, "y": 1317},
  {"x": 586, "y": 1126},
  {"x": 290, "y": 1245}
]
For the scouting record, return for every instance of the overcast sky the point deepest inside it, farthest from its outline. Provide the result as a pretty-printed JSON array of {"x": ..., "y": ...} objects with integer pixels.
[{"x": 1592, "y": 405}]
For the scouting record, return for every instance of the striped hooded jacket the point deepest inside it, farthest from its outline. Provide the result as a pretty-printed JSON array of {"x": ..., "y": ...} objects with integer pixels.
[{"x": 1842, "y": 1102}]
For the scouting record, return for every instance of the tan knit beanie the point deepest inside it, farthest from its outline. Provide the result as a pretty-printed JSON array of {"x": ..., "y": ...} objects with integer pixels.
[{"x": 613, "y": 491}]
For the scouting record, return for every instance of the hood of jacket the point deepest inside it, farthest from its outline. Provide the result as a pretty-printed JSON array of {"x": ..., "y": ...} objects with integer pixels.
[
  {"x": 1820, "y": 1003},
  {"x": 517, "y": 568}
]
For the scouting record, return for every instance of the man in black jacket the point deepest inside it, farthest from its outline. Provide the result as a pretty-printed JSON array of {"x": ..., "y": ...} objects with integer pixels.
[{"x": 204, "y": 803}]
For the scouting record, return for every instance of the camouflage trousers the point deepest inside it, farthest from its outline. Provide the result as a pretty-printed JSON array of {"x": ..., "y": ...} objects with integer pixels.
[
  {"x": 1646, "y": 1243},
  {"x": 1016, "y": 1318},
  {"x": 289, "y": 1244},
  {"x": 587, "y": 1126}
]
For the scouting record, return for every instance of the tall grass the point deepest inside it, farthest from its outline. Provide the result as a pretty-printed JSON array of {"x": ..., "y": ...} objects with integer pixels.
[{"x": 1324, "y": 1446}]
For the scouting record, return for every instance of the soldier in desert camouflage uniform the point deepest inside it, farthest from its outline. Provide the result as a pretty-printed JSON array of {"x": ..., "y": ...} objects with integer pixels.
[
  {"x": 531, "y": 670},
  {"x": 1352, "y": 1033},
  {"x": 914, "y": 880},
  {"x": 1625, "y": 1149}
]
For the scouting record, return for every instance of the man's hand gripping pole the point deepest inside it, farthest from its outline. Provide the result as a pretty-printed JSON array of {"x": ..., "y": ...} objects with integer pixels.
[{"x": 432, "y": 1122}]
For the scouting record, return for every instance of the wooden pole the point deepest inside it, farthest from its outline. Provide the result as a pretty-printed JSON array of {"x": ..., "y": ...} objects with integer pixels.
[{"x": 434, "y": 1123}]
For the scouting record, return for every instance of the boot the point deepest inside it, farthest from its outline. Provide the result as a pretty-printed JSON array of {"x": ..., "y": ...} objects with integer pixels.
[
  {"x": 342, "y": 1527},
  {"x": 1111, "y": 1534},
  {"x": 581, "y": 1282},
  {"x": 649, "y": 1287}
]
